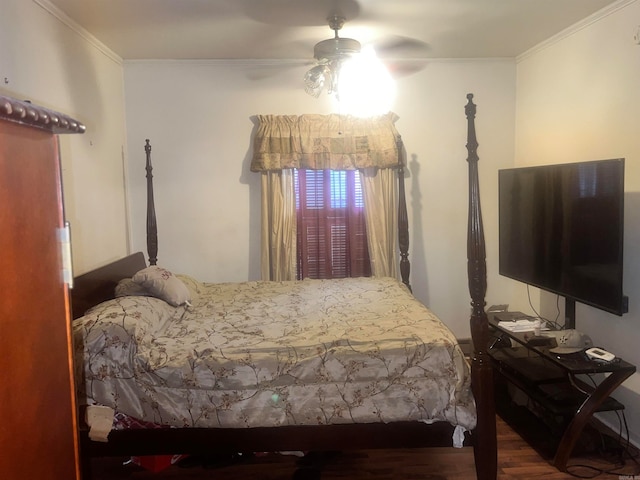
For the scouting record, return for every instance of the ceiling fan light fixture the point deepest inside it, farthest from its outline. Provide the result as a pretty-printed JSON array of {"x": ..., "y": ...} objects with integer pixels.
[
  {"x": 330, "y": 54},
  {"x": 315, "y": 79},
  {"x": 366, "y": 79},
  {"x": 336, "y": 48}
]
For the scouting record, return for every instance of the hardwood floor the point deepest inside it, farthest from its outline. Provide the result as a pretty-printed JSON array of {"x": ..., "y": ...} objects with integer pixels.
[{"x": 516, "y": 460}]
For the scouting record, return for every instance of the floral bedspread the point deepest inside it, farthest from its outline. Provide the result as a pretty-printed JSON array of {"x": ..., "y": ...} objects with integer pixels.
[{"x": 261, "y": 354}]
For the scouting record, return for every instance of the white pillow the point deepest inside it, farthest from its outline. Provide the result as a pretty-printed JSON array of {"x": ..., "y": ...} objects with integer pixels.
[
  {"x": 128, "y": 288},
  {"x": 163, "y": 284}
]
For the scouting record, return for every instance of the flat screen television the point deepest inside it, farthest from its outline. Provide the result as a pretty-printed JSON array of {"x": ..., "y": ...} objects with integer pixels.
[{"x": 561, "y": 229}]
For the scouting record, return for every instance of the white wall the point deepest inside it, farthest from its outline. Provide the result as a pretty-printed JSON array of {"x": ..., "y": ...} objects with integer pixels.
[
  {"x": 47, "y": 61},
  {"x": 198, "y": 118},
  {"x": 578, "y": 98}
]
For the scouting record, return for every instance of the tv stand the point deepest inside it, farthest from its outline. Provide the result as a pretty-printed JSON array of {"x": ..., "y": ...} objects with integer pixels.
[{"x": 551, "y": 382}]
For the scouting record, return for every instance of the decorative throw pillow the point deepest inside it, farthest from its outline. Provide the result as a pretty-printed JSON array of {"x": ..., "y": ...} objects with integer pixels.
[
  {"x": 192, "y": 285},
  {"x": 128, "y": 288},
  {"x": 163, "y": 284}
]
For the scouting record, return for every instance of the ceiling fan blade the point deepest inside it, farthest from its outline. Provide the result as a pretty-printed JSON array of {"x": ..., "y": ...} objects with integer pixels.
[
  {"x": 296, "y": 13},
  {"x": 397, "y": 46},
  {"x": 405, "y": 67}
]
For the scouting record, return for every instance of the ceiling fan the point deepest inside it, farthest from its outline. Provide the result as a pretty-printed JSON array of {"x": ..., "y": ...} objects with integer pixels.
[{"x": 330, "y": 54}]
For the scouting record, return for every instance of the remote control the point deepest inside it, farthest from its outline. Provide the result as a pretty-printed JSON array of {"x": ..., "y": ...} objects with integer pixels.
[{"x": 600, "y": 354}]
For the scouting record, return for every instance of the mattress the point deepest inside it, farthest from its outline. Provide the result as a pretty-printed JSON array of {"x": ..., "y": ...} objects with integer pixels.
[{"x": 263, "y": 354}]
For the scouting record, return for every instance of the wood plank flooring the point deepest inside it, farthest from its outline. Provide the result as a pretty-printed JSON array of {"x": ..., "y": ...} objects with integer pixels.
[{"x": 516, "y": 460}]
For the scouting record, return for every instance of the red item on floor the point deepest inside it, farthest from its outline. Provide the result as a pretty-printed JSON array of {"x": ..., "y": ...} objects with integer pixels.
[{"x": 157, "y": 463}]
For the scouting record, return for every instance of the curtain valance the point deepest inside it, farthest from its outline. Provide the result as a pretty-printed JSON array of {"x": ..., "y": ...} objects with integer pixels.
[{"x": 321, "y": 142}]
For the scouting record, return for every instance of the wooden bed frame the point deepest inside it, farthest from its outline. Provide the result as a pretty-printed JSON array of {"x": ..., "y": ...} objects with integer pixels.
[{"x": 97, "y": 286}]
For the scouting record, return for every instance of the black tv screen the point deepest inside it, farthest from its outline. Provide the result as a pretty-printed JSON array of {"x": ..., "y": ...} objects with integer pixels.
[{"x": 561, "y": 229}]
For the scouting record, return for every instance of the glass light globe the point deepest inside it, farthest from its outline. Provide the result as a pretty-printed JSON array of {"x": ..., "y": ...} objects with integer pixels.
[{"x": 365, "y": 86}]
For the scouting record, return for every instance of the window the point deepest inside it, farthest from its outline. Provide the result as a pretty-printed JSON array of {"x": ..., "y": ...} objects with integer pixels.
[{"x": 331, "y": 234}]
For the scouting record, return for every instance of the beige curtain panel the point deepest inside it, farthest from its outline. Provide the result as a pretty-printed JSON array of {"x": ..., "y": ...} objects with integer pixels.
[
  {"x": 325, "y": 142},
  {"x": 380, "y": 190},
  {"x": 279, "y": 226}
]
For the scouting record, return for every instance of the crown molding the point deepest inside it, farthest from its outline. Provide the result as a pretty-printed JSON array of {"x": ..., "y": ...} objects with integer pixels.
[
  {"x": 576, "y": 27},
  {"x": 77, "y": 28},
  {"x": 229, "y": 62}
]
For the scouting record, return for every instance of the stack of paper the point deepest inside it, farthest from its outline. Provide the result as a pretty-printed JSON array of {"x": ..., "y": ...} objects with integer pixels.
[{"x": 524, "y": 325}]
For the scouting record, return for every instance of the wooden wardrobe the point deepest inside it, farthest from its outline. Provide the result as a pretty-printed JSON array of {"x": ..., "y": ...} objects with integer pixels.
[{"x": 38, "y": 415}]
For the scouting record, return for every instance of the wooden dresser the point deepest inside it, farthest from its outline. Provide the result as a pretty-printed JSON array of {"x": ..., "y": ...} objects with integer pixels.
[{"x": 38, "y": 414}]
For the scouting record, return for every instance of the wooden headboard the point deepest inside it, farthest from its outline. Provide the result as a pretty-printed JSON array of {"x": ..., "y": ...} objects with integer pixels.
[{"x": 98, "y": 285}]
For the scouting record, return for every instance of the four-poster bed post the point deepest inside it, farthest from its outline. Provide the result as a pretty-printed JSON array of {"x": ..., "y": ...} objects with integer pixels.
[{"x": 485, "y": 448}]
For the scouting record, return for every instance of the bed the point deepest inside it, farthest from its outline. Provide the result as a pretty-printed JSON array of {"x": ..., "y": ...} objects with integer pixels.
[{"x": 192, "y": 367}]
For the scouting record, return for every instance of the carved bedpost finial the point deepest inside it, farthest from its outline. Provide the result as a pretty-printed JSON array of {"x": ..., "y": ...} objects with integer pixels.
[
  {"x": 403, "y": 219},
  {"x": 472, "y": 142},
  {"x": 476, "y": 251},
  {"x": 152, "y": 228}
]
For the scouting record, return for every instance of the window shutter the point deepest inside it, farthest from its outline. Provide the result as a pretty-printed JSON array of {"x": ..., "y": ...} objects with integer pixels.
[{"x": 332, "y": 240}]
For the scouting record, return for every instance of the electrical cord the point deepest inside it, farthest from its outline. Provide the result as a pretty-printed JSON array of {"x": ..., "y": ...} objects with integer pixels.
[
  {"x": 615, "y": 469},
  {"x": 580, "y": 470},
  {"x": 554, "y": 322}
]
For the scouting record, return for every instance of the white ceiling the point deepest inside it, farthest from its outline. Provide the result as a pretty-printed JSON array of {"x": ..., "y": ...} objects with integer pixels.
[{"x": 288, "y": 29}]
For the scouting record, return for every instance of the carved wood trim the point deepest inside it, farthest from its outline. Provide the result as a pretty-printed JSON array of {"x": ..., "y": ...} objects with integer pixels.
[{"x": 26, "y": 113}]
